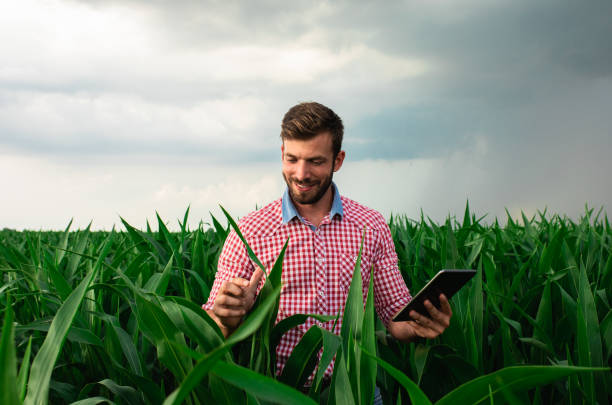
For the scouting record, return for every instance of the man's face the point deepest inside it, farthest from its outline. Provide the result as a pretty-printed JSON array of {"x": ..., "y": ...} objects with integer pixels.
[{"x": 308, "y": 167}]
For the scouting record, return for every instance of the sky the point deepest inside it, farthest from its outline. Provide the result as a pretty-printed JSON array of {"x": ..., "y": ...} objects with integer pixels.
[{"x": 114, "y": 109}]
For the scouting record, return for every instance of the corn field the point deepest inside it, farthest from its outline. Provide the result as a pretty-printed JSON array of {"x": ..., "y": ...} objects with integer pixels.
[{"x": 115, "y": 317}]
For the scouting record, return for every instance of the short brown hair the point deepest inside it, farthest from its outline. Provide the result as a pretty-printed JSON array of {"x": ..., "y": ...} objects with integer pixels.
[{"x": 307, "y": 120}]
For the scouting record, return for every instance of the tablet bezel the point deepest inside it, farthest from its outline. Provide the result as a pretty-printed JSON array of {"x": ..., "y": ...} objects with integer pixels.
[{"x": 447, "y": 281}]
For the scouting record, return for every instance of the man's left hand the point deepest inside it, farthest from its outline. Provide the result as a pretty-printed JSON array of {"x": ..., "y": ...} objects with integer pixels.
[{"x": 422, "y": 326}]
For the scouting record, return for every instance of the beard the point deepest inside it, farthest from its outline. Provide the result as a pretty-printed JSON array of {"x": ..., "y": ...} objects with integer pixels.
[{"x": 319, "y": 188}]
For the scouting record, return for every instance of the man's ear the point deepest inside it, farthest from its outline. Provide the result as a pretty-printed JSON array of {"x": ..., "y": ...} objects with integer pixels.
[
  {"x": 338, "y": 160},
  {"x": 282, "y": 151}
]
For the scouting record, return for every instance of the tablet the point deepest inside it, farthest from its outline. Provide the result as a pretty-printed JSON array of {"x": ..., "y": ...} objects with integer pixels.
[{"x": 446, "y": 282}]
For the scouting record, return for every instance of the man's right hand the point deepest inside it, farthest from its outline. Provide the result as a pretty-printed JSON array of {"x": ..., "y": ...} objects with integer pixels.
[{"x": 234, "y": 300}]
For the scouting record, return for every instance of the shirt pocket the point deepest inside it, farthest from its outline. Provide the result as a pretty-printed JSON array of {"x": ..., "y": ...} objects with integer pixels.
[{"x": 347, "y": 265}]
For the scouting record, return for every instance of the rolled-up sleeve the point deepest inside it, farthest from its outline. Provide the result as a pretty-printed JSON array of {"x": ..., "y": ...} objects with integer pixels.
[
  {"x": 233, "y": 262},
  {"x": 390, "y": 291}
]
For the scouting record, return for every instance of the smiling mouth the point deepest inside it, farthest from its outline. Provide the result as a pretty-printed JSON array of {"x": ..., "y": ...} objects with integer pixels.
[{"x": 304, "y": 187}]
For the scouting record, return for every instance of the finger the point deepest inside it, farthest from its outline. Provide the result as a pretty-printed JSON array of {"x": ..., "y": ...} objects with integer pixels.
[
  {"x": 437, "y": 316},
  {"x": 241, "y": 282},
  {"x": 426, "y": 323},
  {"x": 231, "y": 288},
  {"x": 431, "y": 308},
  {"x": 445, "y": 305},
  {"x": 255, "y": 279},
  {"x": 423, "y": 331},
  {"x": 418, "y": 317},
  {"x": 224, "y": 312},
  {"x": 229, "y": 301}
]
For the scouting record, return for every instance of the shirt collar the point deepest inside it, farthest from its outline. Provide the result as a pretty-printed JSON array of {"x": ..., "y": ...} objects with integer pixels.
[{"x": 289, "y": 211}]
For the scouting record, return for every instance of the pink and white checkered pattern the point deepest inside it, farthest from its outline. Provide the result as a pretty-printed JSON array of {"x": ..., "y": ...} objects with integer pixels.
[{"x": 318, "y": 265}]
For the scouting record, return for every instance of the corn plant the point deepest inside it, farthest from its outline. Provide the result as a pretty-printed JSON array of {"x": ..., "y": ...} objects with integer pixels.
[{"x": 115, "y": 317}]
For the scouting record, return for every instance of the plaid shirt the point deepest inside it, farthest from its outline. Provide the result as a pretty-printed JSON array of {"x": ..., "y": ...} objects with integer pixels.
[{"x": 318, "y": 263}]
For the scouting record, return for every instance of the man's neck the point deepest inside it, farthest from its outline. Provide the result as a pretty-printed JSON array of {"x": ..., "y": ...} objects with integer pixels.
[{"x": 315, "y": 213}]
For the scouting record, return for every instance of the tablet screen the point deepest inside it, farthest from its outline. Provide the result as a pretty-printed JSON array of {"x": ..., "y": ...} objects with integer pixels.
[{"x": 446, "y": 282}]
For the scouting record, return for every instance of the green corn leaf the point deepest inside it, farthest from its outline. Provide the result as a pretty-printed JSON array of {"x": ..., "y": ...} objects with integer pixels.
[
  {"x": 75, "y": 334},
  {"x": 159, "y": 329},
  {"x": 262, "y": 357},
  {"x": 444, "y": 370},
  {"x": 75, "y": 259},
  {"x": 222, "y": 393},
  {"x": 606, "y": 333},
  {"x": 475, "y": 252},
  {"x": 193, "y": 379},
  {"x": 197, "y": 253},
  {"x": 303, "y": 358},
  {"x": 466, "y": 215},
  {"x": 514, "y": 379},
  {"x": 352, "y": 321},
  {"x": 127, "y": 394},
  {"x": 248, "y": 248},
  {"x": 569, "y": 306},
  {"x": 33, "y": 249},
  {"x": 170, "y": 240},
  {"x": 93, "y": 401},
  {"x": 544, "y": 319},
  {"x": 193, "y": 324},
  {"x": 183, "y": 224},
  {"x": 421, "y": 356},
  {"x": 44, "y": 362},
  {"x": 126, "y": 344},
  {"x": 137, "y": 265},
  {"x": 200, "y": 312},
  {"x": 471, "y": 343},
  {"x": 477, "y": 314},
  {"x": 204, "y": 365},
  {"x": 159, "y": 284},
  {"x": 341, "y": 385},
  {"x": 274, "y": 276},
  {"x": 550, "y": 252},
  {"x": 63, "y": 244},
  {"x": 251, "y": 400},
  {"x": 24, "y": 371},
  {"x": 331, "y": 343},
  {"x": 590, "y": 351},
  {"x": 221, "y": 232},
  {"x": 417, "y": 397},
  {"x": 606, "y": 277},
  {"x": 145, "y": 241},
  {"x": 538, "y": 344},
  {"x": 59, "y": 282},
  {"x": 367, "y": 374},
  {"x": 260, "y": 386},
  {"x": 255, "y": 318},
  {"x": 291, "y": 322},
  {"x": 8, "y": 360}
]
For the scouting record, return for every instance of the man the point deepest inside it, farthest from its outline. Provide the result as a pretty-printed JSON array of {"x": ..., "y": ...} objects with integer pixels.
[{"x": 325, "y": 231}]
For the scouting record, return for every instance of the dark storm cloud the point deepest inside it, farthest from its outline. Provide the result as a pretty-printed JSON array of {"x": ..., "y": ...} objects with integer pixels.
[{"x": 504, "y": 71}]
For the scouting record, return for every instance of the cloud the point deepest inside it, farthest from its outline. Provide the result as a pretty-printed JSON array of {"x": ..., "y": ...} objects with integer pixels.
[
  {"x": 41, "y": 193},
  {"x": 73, "y": 85},
  {"x": 111, "y": 87}
]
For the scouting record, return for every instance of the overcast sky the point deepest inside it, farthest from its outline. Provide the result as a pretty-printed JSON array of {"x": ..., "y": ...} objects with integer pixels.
[{"x": 125, "y": 108}]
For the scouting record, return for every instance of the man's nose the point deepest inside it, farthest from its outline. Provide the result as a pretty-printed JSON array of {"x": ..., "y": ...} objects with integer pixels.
[{"x": 301, "y": 172}]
